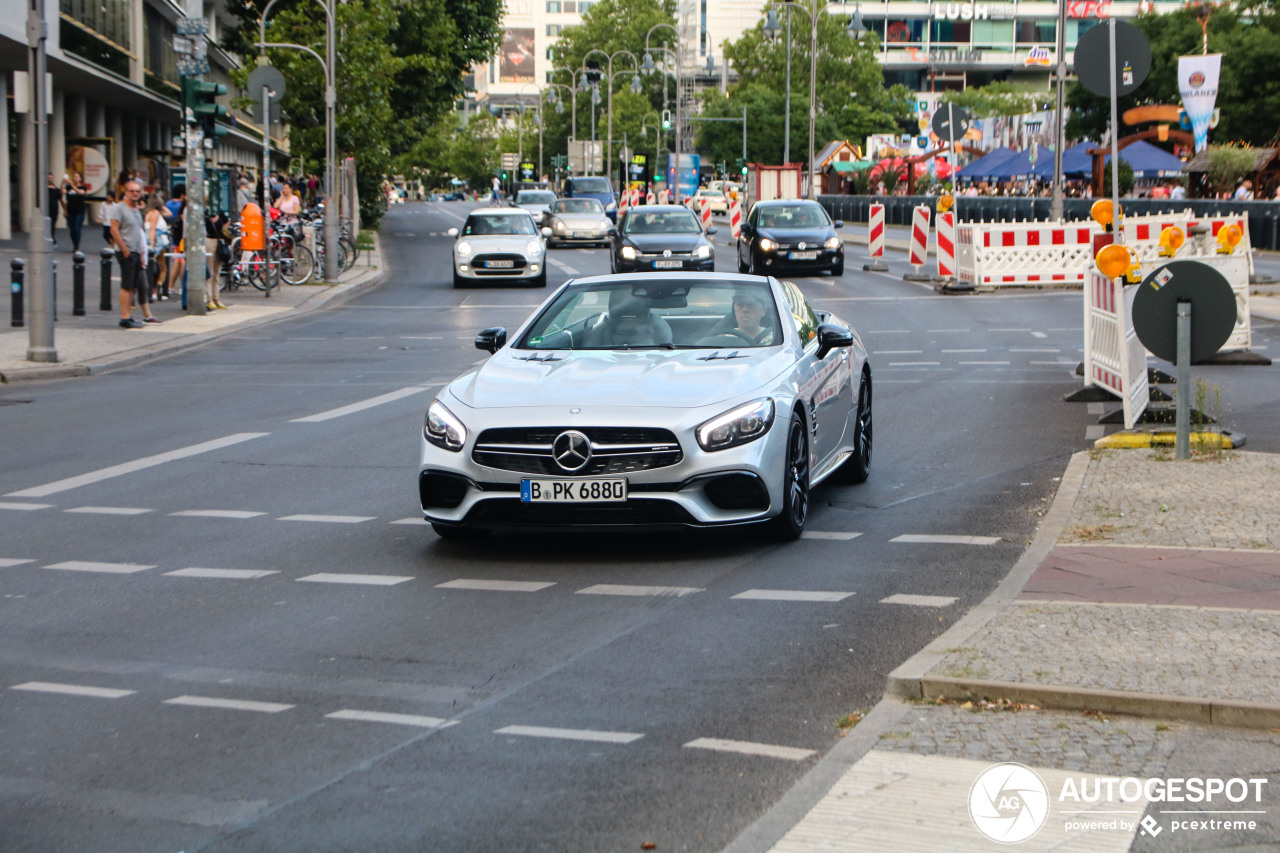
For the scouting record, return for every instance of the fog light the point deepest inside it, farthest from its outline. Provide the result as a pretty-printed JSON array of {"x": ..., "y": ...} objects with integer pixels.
[
  {"x": 463, "y": 268},
  {"x": 533, "y": 267}
]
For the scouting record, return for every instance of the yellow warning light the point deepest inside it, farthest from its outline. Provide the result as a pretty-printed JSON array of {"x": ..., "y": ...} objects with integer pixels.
[
  {"x": 1171, "y": 239},
  {"x": 945, "y": 202},
  {"x": 1228, "y": 237},
  {"x": 1115, "y": 260},
  {"x": 1102, "y": 213}
]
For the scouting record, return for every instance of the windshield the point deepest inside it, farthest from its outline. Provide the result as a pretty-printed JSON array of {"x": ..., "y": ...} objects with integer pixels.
[
  {"x": 480, "y": 224},
  {"x": 535, "y": 197},
  {"x": 675, "y": 222},
  {"x": 577, "y": 205},
  {"x": 591, "y": 185},
  {"x": 667, "y": 314},
  {"x": 711, "y": 193},
  {"x": 793, "y": 216}
]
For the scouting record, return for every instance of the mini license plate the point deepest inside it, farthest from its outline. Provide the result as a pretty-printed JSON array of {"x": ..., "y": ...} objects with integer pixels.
[
  {"x": 572, "y": 491},
  {"x": 803, "y": 256},
  {"x": 499, "y": 265},
  {"x": 667, "y": 265}
]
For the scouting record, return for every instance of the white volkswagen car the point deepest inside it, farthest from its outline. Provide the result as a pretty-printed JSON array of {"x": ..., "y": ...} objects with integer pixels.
[
  {"x": 653, "y": 400},
  {"x": 499, "y": 244}
]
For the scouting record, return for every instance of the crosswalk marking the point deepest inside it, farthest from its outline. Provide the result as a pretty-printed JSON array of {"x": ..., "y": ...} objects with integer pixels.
[
  {"x": 73, "y": 689},
  {"x": 105, "y": 568},
  {"x": 231, "y": 574},
  {"x": 936, "y": 539},
  {"x": 371, "y": 580},
  {"x": 361, "y": 406},
  {"x": 394, "y": 719},
  {"x": 623, "y": 589},
  {"x": 109, "y": 510},
  {"x": 828, "y": 534},
  {"x": 6, "y": 562},
  {"x": 23, "y": 507},
  {"x": 228, "y": 704},
  {"x": 330, "y": 519},
  {"x": 791, "y": 595},
  {"x": 570, "y": 734},
  {"x": 495, "y": 586},
  {"x": 218, "y": 513},
  {"x": 790, "y": 753},
  {"x": 919, "y": 600}
]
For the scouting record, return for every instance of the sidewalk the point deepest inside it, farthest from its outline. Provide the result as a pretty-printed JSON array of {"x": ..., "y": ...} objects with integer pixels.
[
  {"x": 95, "y": 342},
  {"x": 1152, "y": 593}
]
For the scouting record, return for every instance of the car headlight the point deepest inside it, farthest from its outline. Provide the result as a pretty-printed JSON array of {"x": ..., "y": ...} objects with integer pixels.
[
  {"x": 606, "y": 224},
  {"x": 737, "y": 426},
  {"x": 767, "y": 245},
  {"x": 534, "y": 247},
  {"x": 442, "y": 427},
  {"x": 832, "y": 243},
  {"x": 628, "y": 253},
  {"x": 613, "y": 205},
  {"x": 557, "y": 225},
  {"x": 463, "y": 249},
  {"x": 703, "y": 251}
]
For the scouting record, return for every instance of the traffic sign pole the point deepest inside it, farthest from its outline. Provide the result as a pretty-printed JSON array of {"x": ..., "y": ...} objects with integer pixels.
[{"x": 1182, "y": 412}]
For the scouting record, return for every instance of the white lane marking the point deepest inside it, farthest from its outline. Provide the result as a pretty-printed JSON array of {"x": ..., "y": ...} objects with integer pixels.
[
  {"x": 1062, "y": 362},
  {"x": 422, "y": 337},
  {"x": 791, "y": 595},
  {"x": 395, "y": 719},
  {"x": 230, "y": 574},
  {"x": 495, "y": 586},
  {"x": 361, "y": 406},
  {"x": 899, "y": 352},
  {"x": 228, "y": 704},
  {"x": 919, "y": 600},
  {"x": 984, "y": 363},
  {"x": 1008, "y": 330},
  {"x": 570, "y": 734},
  {"x": 105, "y": 568},
  {"x": 23, "y": 507},
  {"x": 937, "y": 539},
  {"x": 561, "y": 265},
  {"x": 746, "y": 747},
  {"x": 958, "y": 351},
  {"x": 218, "y": 513},
  {"x": 829, "y": 534},
  {"x": 329, "y": 519},
  {"x": 1096, "y": 408},
  {"x": 889, "y": 332},
  {"x": 136, "y": 465},
  {"x": 1039, "y": 335},
  {"x": 947, "y": 331},
  {"x": 109, "y": 510},
  {"x": 1095, "y": 432},
  {"x": 1035, "y": 349},
  {"x": 914, "y": 363},
  {"x": 73, "y": 689},
  {"x": 6, "y": 562},
  {"x": 371, "y": 580},
  {"x": 623, "y": 589},
  {"x": 409, "y": 521}
]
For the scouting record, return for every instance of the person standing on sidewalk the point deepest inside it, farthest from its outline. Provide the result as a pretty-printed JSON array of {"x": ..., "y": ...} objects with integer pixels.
[
  {"x": 106, "y": 211},
  {"x": 55, "y": 204},
  {"x": 131, "y": 246},
  {"x": 74, "y": 194}
]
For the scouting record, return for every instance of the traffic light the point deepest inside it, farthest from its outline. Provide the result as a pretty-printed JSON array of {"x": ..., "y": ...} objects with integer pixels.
[
  {"x": 504, "y": 176},
  {"x": 200, "y": 103},
  {"x": 741, "y": 165},
  {"x": 666, "y": 119}
]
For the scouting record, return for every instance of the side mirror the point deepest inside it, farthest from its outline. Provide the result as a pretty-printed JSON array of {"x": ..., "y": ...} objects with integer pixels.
[
  {"x": 839, "y": 223},
  {"x": 830, "y": 336},
  {"x": 492, "y": 340},
  {"x": 546, "y": 232},
  {"x": 613, "y": 232},
  {"x": 711, "y": 229},
  {"x": 452, "y": 232}
]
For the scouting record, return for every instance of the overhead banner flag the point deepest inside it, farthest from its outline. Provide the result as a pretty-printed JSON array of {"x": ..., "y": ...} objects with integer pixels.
[{"x": 1198, "y": 83}]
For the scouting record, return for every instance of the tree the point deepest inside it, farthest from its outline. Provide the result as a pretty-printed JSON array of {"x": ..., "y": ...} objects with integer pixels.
[
  {"x": 1228, "y": 166},
  {"x": 994, "y": 99},
  {"x": 1126, "y": 178}
]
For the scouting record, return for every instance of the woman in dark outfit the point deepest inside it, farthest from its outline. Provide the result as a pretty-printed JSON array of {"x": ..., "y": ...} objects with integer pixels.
[{"x": 74, "y": 193}]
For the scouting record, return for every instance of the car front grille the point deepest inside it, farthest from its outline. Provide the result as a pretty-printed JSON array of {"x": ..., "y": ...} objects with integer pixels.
[
  {"x": 614, "y": 450},
  {"x": 506, "y": 512}
]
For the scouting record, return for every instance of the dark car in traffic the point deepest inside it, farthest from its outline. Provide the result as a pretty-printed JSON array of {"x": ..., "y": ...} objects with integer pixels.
[
  {"x": 790, "y": 235},
  {"x": 661, "y": 237}
]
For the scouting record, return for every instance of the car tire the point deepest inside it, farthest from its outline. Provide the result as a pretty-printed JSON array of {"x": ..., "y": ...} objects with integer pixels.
[
  {"x": 458, "y": 533},
  {"x": 751, "y": 264},
  {"x": 789, "y": 524},
  {"x": 742, "y": 268},
  {"x": 540, "y": 281},
  {"x": 857, "y": 467},
  {"x": 838, "y": 269},
  {"x": 459, "y": 281}
]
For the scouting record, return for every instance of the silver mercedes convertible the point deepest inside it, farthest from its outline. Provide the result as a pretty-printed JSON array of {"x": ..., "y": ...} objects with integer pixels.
[{"x": 662, "y": 400}]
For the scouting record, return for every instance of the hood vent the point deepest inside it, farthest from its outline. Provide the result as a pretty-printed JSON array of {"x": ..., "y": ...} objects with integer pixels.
[
  {"x": 539, "y": 357},
  {"x": 717, "y": 356}
]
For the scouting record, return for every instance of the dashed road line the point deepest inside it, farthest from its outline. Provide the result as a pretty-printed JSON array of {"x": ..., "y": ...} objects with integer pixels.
[
  {"x": 23, "y": 507},
  {"x": 218, "y": 513},
  {"x": 6, "y": 562},
  {"x": 948, "y": 331},
  {"x": 899, "y": 352},
  {"x": 1035, "y": 349},
  {"x": 920, "y": 600},
  {"x": 370, "y": 580},
  {"x": 134, "y": 466},
  {"x": 409, "y": 521},
  {"x": 936, "y": 539},
  {"x": 1039, "y": 335},
  {"x": 914, "y": 363},
  {"x": 394, "y": 719},
  {"x": 228, "y": 704},
  {"x": 829, "y": 534},
  {"x": 745, "y": 747},
  {"x": 984, "y": 363},
  {"x": 227, "y": 574},
  {"x": 791, "y": 595},
  {"x": 570, "y": 734},
  {"x": 108, "y": 510},
  {"x": 623, "y": 589},
  {"x": 495, "y": 586},
  {"x": 329, "y": 519},
  {"x": 962, "y": 351},
  {"x": 73, "y": 690},
  {"x": 104, "y": 568},
  {"x": 362, "y": 405}
]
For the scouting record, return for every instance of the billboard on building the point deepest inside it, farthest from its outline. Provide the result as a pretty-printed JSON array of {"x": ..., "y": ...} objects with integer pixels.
[
  {"x": 516, "y": 65},
  {"x": 92, "y": 158}
]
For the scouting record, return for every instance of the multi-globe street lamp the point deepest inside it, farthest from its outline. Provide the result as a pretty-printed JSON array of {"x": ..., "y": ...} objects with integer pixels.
[
  {"x": 814, "y": 9},
  {"x": 609, "y": 75},
  {"x": 648, "y": 67}
]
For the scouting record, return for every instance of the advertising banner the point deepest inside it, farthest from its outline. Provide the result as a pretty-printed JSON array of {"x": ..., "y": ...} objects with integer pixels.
[
  {"x": 517, "y": 56},
  {"x": 1198, "y": 83},
  {"x": 92, "y": 158}
]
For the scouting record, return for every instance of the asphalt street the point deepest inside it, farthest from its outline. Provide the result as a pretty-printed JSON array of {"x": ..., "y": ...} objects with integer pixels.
[{"x": 254, "y": 643}]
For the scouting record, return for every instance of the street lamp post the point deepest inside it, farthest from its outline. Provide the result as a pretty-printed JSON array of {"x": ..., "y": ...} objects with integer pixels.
[
  {"x": 609, "y": 75},
  {"x": 647, "y": 68},
  {"x": 657, "y": 132}
]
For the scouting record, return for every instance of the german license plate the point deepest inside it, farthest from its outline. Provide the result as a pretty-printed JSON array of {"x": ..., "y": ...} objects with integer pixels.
[
  {"x": 803, "y": 256},
  {"x": 582, "y": 235},
  {"x": 667, "y": 265},
  {"x": 573, "y": 491},
  {"x": 499, "y": 265}
]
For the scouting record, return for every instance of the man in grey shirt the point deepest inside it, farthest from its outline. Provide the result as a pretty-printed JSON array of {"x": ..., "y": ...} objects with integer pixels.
[{"x": 131, "y": 244}]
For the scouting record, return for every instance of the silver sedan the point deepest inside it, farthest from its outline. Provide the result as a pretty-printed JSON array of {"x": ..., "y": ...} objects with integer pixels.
[
  {"x": 657, "y": 400},
  {"x": 577, "y": 221}
]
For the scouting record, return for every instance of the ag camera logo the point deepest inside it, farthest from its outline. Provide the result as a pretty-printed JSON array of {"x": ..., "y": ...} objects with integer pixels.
[{"x": 1008, "y": 803}]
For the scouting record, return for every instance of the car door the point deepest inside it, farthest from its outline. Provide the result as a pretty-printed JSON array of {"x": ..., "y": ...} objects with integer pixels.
[
  {"x": 826, "y": 385},
  {"x": 744, "y": 236}
]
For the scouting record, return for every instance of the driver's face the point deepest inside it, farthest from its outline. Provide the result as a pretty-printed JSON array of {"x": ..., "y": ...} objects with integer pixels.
[{"x": 747, "y": 312}]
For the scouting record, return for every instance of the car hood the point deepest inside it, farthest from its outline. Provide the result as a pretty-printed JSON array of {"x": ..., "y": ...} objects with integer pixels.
[
  {"x": 582, "y": 221},
  {"x": 813, "y": 236},
  {"x": 650, "y": 243},
  {"x": 645, "y": 378},
  {"x": 499, "y": 242}
]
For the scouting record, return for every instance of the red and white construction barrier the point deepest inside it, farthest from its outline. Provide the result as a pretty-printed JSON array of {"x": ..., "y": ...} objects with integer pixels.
[
  {"x": 664, "y": 197},
  {"x": 705, "y": 213},
  {"x": 1114, "y": 359},
  {"x": 919, "y": 237},
  {"x": 624, "y": 201},
  {"x": 946, "y": 244},
  {"x": 875, "y": 233},
  {"x": 735, "y": 218},
  {"x": 650, "y": 198}
]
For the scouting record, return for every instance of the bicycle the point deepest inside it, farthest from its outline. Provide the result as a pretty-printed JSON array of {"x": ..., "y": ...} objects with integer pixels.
[{"x": 297, "y": 263}]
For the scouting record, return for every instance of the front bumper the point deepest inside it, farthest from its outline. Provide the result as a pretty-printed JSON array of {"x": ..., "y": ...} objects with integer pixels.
[
  {"x": 649, "y": 263},
  {"x": 522, "y": 266},
  {"x": 781, "y": 260}
]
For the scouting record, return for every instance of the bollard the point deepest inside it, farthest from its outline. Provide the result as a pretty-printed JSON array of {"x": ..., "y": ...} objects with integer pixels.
[
  {"x": 15, "y": 293},
  {"x": 77, "y": 284},
  {"x": 104, "y": 298},
  {"x": 53, "y": 286}
]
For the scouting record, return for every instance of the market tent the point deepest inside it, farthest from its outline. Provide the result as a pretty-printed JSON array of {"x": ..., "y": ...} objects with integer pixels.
[
  {"x": 980, "y": 169},
  {"x": 1019, "y": 166},
  {"x": 1075, "y": 161},
  {"x": 1148, "y": 161}
]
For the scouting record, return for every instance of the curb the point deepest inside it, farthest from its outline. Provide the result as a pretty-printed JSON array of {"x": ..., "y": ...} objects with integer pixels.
[{"x": 1133, "y": 439}]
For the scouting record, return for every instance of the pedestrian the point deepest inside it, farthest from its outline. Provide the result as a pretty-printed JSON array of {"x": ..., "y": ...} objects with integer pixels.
[
  {"x": 497, "y": 192},
  {"x": 217, "y": 248},
  {"x": 1243, "y": 193},
  {"x": 55, "y": 205},
  {"x": 244, "y": 195},
  {"x": 158, "y": 243},
  {"x": 105, "y": 212},
  {"x": 1177, "y": 191},
  {"x": 75, "y": 192},
  {"x": 131, "y": 244},
  {"x": 177, "y": 263}
]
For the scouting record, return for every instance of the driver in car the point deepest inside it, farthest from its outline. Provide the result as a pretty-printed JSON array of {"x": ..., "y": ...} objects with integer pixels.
[{"x": 749, "y": 312}]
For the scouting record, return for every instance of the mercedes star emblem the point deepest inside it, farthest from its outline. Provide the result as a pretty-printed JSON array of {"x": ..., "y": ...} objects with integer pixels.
[{"x": 571, "y": 450}]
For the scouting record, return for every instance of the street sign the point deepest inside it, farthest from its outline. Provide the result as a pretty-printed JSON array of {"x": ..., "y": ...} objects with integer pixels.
[
  {"x": 192, "y": 66},
  {"x": 950, "y": 122},
  {"x": 269, "y": 77},
  {"x": 192, "y": 26},
  {"x": 1155, "y": 309},
  {"x": 1093, "y": 58},
  {"x": 509, "y": 159}
]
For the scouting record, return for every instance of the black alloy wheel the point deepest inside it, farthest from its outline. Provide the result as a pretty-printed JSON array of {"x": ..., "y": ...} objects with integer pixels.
[
  {"x": 789, "y": 523},
  {"x": 857, "y": 467}
]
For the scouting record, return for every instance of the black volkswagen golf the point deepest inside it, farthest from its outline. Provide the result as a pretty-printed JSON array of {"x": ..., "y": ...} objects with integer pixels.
[
  {"x": 790, "y": 235},
  {"x": 661, "y": 237}
]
